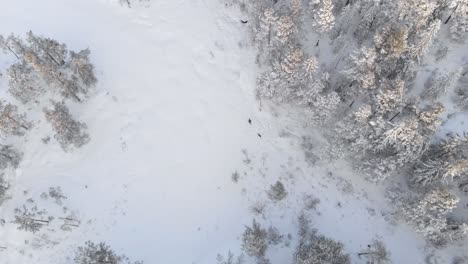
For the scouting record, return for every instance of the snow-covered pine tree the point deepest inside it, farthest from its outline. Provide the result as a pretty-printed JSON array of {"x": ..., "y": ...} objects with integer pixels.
[
  {"x": 363, "y": 68},
  {"x": 459, "y": 27},
  {"x": 440, "y": 85},
  {"x": 285, "y": 27},
  {"x": 415, "y": 13},
  {"x": 444, "y": 162},
  {"x": 11, "y": 121},
  {"x": 392, "y": 40},
  {"x": 30, "y": 219},
  {"x": 24, "y": 83},
  {"x": 391, "y": 97},
  {"x": 324, "y": 19},
  {"x": 82, "y": 68},
  {"x": 68, "y": 132},
  {"x": 424, "y": 39},
  {"x": 404, "y": 139}
]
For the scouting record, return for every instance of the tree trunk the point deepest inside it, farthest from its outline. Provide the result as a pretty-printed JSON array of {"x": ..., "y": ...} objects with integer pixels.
[
  {"x": 450, "y": 16},
  {"x": 14, "y": 53},
  {"x": 394, "y": 116}
]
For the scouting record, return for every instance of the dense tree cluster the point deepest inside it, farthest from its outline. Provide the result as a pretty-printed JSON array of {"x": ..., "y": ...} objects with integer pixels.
[
  {"x": 43, "y": 69},
  {"x": 43, "y": 64},
  {"x": 355, "y": 67}
]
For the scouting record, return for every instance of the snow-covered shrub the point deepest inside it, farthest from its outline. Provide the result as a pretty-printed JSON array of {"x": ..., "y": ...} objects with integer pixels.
[
  {"x": 314, "y": 248},
  {"x": 9, "y": 156},
  {"x": 230, "y": 259},
  {"x": 4, "y": 186},
  {"x": 57, "y": 194},
  {"x": 424, "y": 39},
  {"x": 376, "y": 253},
  {"x": 277, "y": 192},
  {"x": 68, "y": 132},
  {"x": 459, "y": 27},
  {"x": 363, "y": 68},
  {"x": 92, "y": 253},
  {"x": 254, "y": 240}
]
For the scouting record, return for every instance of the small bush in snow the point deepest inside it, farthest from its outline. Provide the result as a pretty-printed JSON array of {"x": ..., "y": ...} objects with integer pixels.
[
  {"x": 310, "y": 202},
  {"x": 3, "y": 188},
  {"x": 319, "y": 249},
  {"x": 254, "y": 240},
  {"x": 274, "y": 236},
  {"x": 277, "y": 192},
  {"x": 92, "y": 253},
  {"x": 376, "y": 253},
  {"x": 230, "y": 259},
  {"x": 68, "y": 132},
  {"x": 9, "y": 156},
  {"x": 57, "y": 194}
]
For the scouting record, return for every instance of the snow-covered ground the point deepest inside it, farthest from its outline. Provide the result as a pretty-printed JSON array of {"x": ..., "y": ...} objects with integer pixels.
[{"x": 169, "y": 125}]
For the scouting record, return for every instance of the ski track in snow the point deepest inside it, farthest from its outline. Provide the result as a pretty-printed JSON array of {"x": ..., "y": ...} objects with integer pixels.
[{"x": 168, "y": 123}]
